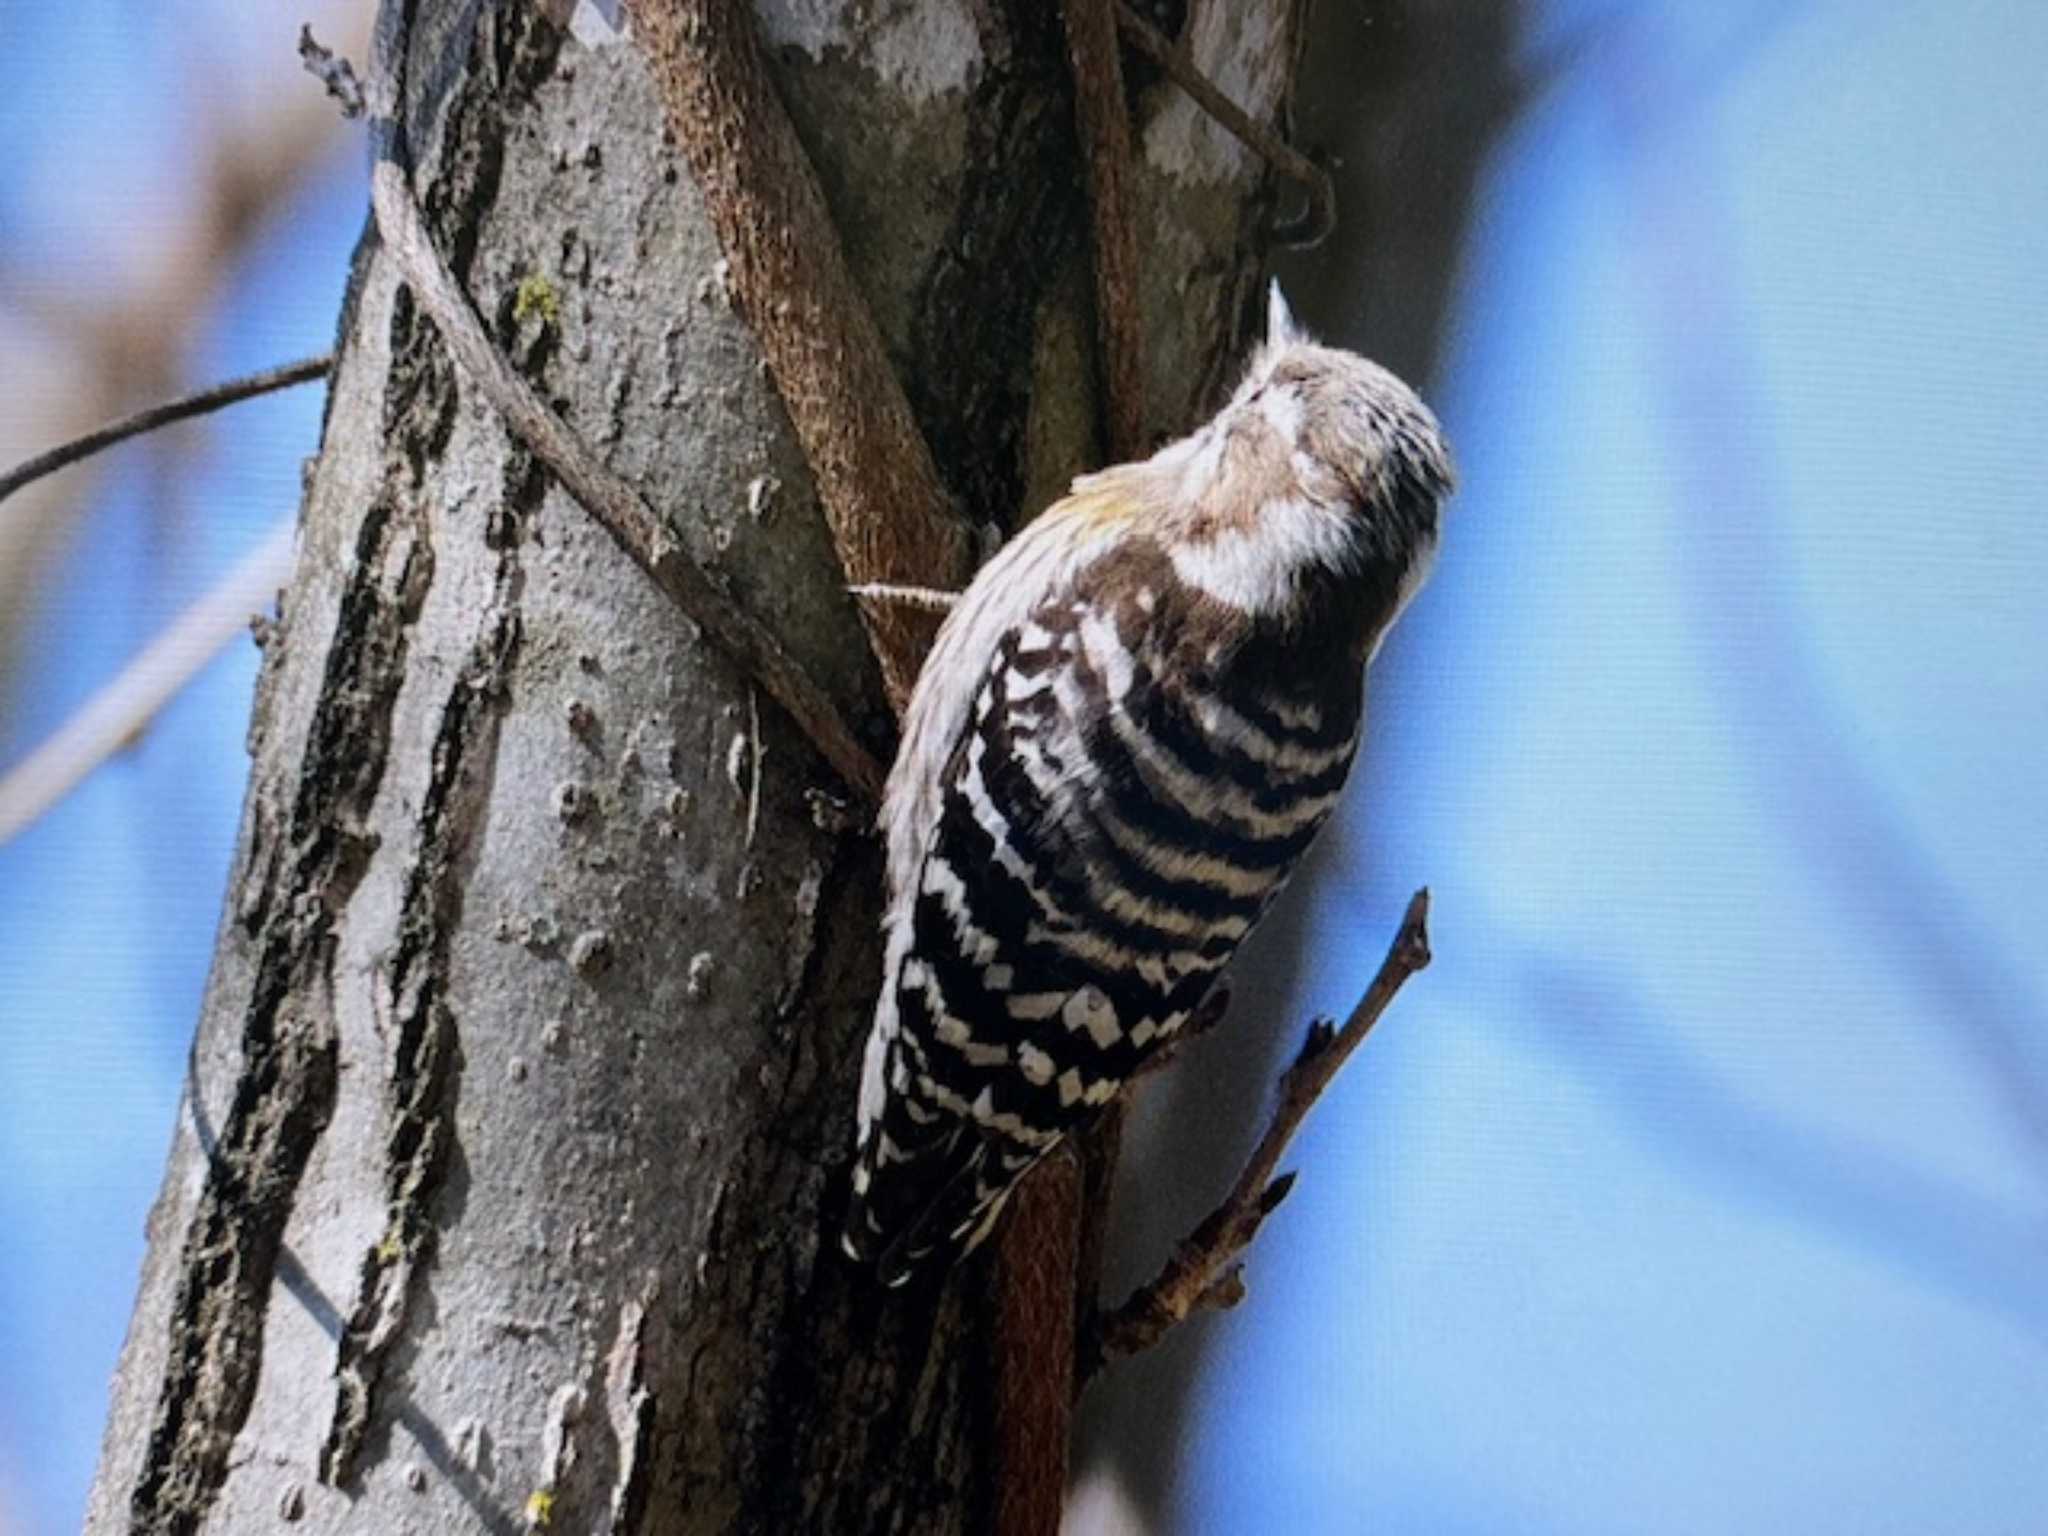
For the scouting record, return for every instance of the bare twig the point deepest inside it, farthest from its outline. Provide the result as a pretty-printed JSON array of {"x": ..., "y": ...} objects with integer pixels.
[
  {"x": 1203, "y": 1271},
  {"x": 619, "y": 509},
  {"x": 118, "y": 713},
  {"x": 880, "y": 490},
  {"x": 1321, "y": 216},
  {"x": 245, "y": 388},
  {"x": 1106, "y": 152},
  {"x": 332, "y": 71},
  {"x": 923, "y": 599}
]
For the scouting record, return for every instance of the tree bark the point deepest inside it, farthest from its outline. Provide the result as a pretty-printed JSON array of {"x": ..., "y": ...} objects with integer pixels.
[{"x": 522, "y": 1092}]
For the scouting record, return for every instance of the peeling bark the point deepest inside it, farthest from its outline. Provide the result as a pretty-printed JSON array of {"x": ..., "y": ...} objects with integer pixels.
[{"x": 523, "y": 1086}]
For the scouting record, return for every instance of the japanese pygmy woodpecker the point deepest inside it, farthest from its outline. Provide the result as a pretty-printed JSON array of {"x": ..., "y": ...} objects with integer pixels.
[{"x": 1132, "y": 725}]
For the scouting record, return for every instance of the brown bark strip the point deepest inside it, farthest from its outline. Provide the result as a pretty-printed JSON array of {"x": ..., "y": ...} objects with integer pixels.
[
  {"x": 1203, "y": 1272},
  {"x": 616, "y": 506},
  {"x": 1106, "y": 153},
  {"x": 1034, "y": 1347},
  {"x": 881, "y": 492},
  {"x": 1052, "y": 1243}
]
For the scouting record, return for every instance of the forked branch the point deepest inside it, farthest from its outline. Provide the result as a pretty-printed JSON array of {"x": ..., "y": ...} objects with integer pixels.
[{"x": 1204, "y": 1271}]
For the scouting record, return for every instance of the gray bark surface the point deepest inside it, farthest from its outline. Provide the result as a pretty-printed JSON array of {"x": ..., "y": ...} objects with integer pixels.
[{"x": 523, "y": 1083}]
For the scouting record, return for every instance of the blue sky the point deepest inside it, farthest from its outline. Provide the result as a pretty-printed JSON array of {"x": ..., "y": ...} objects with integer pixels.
[{"x": 1699, "y": 1186}]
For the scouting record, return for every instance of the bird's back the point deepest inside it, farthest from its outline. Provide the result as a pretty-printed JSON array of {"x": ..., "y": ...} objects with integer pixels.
[{"x": 1139, "y": 770}]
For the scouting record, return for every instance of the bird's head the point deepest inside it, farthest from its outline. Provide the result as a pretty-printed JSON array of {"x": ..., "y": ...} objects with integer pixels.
[
  {"x": 1357, "y": 437},
  {"x": 1320, "y": 462}
]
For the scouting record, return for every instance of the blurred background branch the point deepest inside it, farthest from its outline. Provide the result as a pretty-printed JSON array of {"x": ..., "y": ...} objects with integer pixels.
[
  {"x": 118, "y": 322},
  {"x": 115, "y": 716},
  {"x": 1729, "y": 540},
  {"x": 152, "y": 418}
]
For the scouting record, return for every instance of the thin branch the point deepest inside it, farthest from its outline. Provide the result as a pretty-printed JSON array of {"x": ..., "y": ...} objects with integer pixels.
[
  {"x": 116, "y": 715},
  {"x": 877, "y": 483},
  {"x": 333, "y": 71},
  {"x": 619, "y": 509},
  {"x": 923, "y": 599},
  {"x": 1203, "y": 1272},
  {"x": 1105, "y": 127},
  {"x": 1314, "y": 226},
  {"x": 247, "y": 387}
]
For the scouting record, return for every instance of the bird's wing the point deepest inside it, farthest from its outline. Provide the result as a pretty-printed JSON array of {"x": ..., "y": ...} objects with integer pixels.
[{"x": 1092, "y": 858}]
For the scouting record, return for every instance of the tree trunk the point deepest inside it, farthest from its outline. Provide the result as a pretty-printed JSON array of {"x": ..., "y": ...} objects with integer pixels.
[{"x": 523, "y": 1088}]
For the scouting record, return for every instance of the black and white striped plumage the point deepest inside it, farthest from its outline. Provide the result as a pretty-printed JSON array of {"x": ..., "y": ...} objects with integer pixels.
[{"x": 1130, "y": 728}]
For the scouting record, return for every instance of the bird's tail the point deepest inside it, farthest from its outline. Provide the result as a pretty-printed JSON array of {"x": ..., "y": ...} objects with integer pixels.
[{"x": 916, "y": 1207}]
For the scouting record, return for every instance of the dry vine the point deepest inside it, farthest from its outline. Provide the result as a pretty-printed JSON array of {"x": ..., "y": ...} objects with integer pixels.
[
  {"x": 889, "y": 513},
  {"x": 619, "y": 509}
]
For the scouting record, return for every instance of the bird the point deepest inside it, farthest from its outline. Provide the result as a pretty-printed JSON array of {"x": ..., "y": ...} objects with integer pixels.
[{"x": 1131, "y": 726}]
